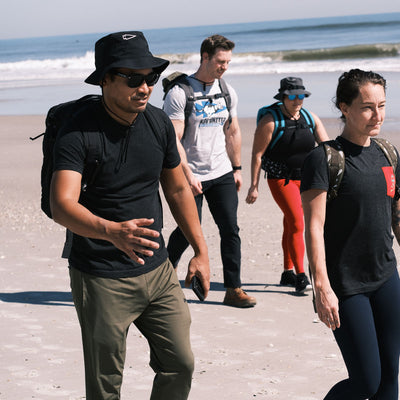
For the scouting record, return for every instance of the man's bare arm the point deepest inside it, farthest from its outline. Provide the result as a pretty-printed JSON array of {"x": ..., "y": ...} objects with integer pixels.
[
  {"x": 131, "y": 237},
  {"x": 233, "y": 139},
  {"x": 183, "y": 208}
]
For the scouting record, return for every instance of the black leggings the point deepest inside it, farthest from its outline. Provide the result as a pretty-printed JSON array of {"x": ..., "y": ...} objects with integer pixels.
[{"x": 369, "y": 339}]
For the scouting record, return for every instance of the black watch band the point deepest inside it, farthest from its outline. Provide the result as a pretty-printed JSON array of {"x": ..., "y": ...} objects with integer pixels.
[{"x": 236, "y": 167}]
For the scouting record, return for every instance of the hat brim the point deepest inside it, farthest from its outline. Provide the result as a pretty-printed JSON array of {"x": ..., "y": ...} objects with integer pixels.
[
  {"x": 279, "y": 96},
  {"x": 156, "y": 63}
]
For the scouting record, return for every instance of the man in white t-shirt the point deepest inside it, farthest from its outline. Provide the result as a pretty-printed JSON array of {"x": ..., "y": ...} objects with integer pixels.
[{"x": 209, "y": 145}]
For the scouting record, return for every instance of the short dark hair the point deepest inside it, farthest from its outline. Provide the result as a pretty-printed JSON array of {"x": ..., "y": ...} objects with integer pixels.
[
  {"x": 350, "y": 82},
  {"x": 212, "y": 43}
]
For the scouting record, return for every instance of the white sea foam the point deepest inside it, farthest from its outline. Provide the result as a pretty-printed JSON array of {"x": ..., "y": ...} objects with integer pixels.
[
  {"x": 31, "y": 70},
  {"x": 30, "y": 73}
]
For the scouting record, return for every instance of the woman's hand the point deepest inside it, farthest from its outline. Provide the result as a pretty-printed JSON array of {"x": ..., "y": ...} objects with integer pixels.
[
  {"x": 252, "y": 195},
  {"x": 327, "y": 305}
]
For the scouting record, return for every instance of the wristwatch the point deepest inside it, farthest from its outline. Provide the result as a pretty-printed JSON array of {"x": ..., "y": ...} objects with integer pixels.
[{"x": 236, "y": 167}]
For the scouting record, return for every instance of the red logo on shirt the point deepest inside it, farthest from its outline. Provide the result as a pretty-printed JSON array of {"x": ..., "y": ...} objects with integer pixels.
[{"x": 390, "y": 180}]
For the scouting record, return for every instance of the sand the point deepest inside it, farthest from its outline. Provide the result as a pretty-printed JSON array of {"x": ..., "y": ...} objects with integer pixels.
[{"x": 276, "y": 350}]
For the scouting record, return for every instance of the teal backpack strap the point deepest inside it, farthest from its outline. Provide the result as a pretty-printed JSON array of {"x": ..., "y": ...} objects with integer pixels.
[
  {"x": 279, "y": 127},
  {"x": 309, "y": 119},
  {"x": 279, "y": 119}
]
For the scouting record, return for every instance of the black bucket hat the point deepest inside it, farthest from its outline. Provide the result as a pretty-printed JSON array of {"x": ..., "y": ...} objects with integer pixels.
[
  {"x": 123, "y": 50},
  {"x": 291, "y": 85}
]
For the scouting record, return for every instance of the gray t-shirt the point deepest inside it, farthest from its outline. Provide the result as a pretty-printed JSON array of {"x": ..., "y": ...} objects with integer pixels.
[{"x": 204, "y": 138}]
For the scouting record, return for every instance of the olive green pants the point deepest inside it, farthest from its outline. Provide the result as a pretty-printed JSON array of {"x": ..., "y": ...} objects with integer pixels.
[{"x": 155, "y": 303}]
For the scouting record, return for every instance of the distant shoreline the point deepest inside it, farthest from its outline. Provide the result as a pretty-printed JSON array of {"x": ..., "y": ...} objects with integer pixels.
[{"x": 254, "y": 91}]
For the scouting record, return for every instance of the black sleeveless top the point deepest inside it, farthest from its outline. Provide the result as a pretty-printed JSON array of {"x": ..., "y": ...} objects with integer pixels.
[{"x": 286, "y": 158}]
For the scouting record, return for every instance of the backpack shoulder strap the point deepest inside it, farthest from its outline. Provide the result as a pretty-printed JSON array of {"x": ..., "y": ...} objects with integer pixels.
[
  {"x": 191, "y": 98},
  {"x": 389, "y": 151},
  {"x": 309, "y": 119},
  {"x": 184, "y": 84},
  {"x": 279, "y": 119},
  {"x": 391, "y": 154},
  {"x": 94, "y": 142},
  {"x": 189, "y": 94},
  {"x": 180, "y": 79},
  {"x": 336, "y": 165},
  {"x": 227, "y": 96}
]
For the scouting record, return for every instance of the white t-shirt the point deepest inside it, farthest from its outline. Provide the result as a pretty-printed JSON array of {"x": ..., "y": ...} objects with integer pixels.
[{"x": 203, "y": 138}]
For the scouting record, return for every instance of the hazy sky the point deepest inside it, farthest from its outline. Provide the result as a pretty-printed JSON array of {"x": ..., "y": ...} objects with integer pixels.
[{"x": 29, "y": 18}]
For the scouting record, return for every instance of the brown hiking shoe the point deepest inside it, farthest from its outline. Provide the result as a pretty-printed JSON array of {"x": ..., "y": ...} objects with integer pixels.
[{"x": 236, "y": 297}]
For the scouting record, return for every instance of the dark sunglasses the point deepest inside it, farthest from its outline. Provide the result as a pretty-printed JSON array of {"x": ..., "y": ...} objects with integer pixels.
[
  {"x": 136, "y": 80},
  {"x": 299, "y": 96}
]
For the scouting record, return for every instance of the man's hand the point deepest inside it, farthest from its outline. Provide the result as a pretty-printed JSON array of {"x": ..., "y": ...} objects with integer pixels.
[
  {"x": 238, "y": 179},
  {"x": 195, "y": 185},
  {"x": 199, "y": 266},
  {"x": 131, "y": 237}
]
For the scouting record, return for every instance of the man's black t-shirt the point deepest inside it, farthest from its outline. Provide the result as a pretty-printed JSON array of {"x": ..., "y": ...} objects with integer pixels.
[
  {"x": 358, "y": 236},
  {"x": 126, "y": 185}
]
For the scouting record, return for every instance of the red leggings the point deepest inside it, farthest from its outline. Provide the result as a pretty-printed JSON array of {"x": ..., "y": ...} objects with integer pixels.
[{"x": 289, "y": 201}]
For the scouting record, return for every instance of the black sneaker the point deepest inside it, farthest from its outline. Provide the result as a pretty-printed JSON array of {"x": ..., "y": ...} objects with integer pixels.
[
  {"x": 288, "y": 278},
  {"x": 302, "y": 283}
]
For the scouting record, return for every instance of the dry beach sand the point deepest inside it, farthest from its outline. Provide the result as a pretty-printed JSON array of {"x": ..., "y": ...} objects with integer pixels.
[{"x": 277, "y": 350}]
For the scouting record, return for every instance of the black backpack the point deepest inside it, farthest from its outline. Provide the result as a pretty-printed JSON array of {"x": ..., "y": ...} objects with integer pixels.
[
  {"x": 279, "y": 119},
  {"x": 336, "y": 163},
  {"x": 56, "y": 118},
  {"x": 180, "y": 79}
]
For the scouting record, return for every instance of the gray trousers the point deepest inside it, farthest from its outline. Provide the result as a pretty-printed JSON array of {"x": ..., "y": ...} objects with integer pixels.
[{"x": 155, "y": 303}]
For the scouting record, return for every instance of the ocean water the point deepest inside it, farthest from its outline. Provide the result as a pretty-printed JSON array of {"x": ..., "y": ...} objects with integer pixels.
[{"x": 36, "y": 73}]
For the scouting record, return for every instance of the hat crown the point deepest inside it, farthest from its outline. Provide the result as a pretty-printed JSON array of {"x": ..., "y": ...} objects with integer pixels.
[
  {"x": 291, "y": 83},
  {"x": 123, "y": 50},
  {"x": 120, "y": 46}
]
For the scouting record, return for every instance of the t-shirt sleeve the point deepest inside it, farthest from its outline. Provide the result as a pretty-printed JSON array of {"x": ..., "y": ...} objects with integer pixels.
[
  {"x": 315, "y": 171},
  {"x": 69, "y": 151},
  {"x": 172, "y": 158},
  {"x": 174, "y": 103}
]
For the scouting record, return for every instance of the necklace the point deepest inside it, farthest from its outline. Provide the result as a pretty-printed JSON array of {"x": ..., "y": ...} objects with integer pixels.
[
  {"x": 203, "y": 82},
  {"x": 115, "y": 114},
  {"x": 290, "y": 115}
]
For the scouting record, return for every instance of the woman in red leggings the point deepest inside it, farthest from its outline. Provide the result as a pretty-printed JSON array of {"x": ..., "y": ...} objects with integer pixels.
[{"x": 284, "y": 135}]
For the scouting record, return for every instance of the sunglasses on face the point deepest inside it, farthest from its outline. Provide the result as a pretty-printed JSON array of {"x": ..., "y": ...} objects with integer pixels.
[
  {"x": 299, "y": 96},
  {"x": 136, "y": 80}
]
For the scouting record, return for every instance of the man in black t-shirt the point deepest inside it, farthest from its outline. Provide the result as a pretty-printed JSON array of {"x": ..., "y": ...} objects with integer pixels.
[{"x": 119, "y": 267}]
